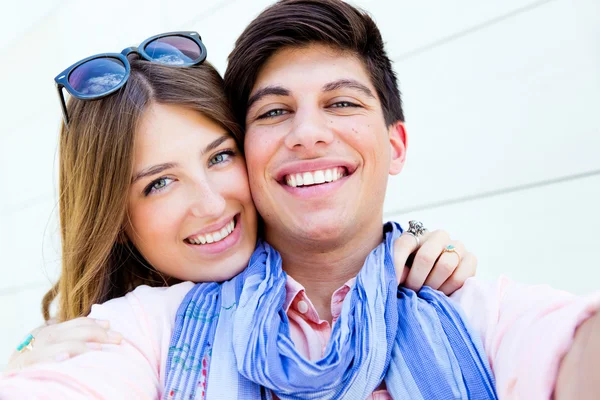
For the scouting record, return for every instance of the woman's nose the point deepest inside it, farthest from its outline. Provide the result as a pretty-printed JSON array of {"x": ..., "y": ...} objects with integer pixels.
[{"x": 207, "y": 202}]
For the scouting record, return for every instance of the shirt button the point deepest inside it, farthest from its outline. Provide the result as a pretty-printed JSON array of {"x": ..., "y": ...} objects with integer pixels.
[{"x": 302, "y": 307}]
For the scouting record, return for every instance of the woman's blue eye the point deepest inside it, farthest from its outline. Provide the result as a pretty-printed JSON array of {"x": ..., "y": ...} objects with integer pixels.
[
  {"x": 273, "y": 113},
  {"x": 157, "y": 185},
  {"x": 221, "y": 157}
]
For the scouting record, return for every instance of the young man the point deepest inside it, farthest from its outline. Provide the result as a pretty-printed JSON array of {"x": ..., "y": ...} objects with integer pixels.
[{"x": 312, "y": 84}]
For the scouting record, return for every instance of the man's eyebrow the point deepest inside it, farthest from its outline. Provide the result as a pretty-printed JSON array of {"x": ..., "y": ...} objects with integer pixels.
[
  {"x": 157, "y": 169},
  {"x": 267, "y": 91},
  {"x": 350, "y": 84}
]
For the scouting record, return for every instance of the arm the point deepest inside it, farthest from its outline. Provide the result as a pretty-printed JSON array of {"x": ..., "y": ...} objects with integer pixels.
[
  {"x": 131, "y": 369},
  {"x": 579, "y": 372},
  {"x": 526, "y": 331}
]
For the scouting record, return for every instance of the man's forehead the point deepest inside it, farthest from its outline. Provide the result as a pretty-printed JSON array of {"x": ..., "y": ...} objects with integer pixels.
[{"x": 283, "y": 67}]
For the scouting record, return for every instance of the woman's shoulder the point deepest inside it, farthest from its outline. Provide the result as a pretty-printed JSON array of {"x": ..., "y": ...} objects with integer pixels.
[
  {"x": 146, "y": 300},
  {"x": 145, "y": 292}
]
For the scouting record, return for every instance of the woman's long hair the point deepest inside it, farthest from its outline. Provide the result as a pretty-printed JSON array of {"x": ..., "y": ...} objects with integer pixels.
[{"x": 96, "y": 160}]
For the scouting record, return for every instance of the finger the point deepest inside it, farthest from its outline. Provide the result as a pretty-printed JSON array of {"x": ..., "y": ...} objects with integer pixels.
[
  {"x": 403, "y": 247},
  {"x": 89, "y": 333},
  {"x": 465, "y": 270},
  {"x": 80, "y": 329},
  {"x": 56, "y": 353},
  {"x": 445, "y": 266},
  {"x": 50, "y": 353},
  {"x": 84, "y": 321},
  {"x": 425, "y": 259}
]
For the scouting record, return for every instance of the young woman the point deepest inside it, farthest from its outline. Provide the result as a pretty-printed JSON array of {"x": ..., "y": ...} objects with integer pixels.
[{"x": 154, "y": 191}]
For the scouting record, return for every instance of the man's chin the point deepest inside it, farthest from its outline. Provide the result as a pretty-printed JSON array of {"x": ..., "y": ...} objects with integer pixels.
[{"x": 319, "y": 230}]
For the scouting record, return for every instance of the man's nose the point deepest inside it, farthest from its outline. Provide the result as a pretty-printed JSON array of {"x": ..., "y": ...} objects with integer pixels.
[
  {"x": 207, "y": 201},
  {"x": 310, "y": 129}
]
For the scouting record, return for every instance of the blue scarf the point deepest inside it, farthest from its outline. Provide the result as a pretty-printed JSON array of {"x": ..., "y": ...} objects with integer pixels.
[{"x": 232, "y": 340}]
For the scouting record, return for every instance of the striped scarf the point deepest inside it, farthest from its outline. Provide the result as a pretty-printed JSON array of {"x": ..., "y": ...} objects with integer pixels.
[{"x": 232, "y": 340}]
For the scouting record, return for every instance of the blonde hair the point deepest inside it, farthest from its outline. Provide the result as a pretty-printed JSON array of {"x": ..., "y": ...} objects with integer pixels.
[{"x": 96, "y": 158}]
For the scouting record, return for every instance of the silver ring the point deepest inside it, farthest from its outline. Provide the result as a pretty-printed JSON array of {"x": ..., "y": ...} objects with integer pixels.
[
  {"x": 416, "y": 228},
  {"x": 416, "y": 238}
]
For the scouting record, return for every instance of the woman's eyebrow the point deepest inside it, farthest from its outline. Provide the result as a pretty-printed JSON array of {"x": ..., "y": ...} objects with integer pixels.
[
  {"x": 350, "y": 84},
  {"x": 158, "y": 168},
  {"x": 153, "y": 170},
  {"x": 216, "y": 143}
]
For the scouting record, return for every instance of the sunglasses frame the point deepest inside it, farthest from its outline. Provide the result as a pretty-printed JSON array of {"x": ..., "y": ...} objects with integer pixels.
[{"x": 62, "y": 79}]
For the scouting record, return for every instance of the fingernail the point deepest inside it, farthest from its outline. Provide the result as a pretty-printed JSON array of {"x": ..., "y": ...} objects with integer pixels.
[
  {"x": 62, "y": 357},
  {"x": 115, "y": 337},
  {"x": 103, "y": 323},
  {"x": 94, "y": 345}
]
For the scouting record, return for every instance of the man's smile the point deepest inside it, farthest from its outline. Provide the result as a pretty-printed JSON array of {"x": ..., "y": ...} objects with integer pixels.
[{"x": 317, "y": 177}]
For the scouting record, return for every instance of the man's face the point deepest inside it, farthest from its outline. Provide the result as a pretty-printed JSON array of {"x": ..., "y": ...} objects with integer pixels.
[{"x": 317, "y": 146}]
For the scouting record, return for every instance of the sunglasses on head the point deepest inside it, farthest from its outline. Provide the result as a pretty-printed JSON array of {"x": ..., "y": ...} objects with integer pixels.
[{"x": 103, "y": 74}]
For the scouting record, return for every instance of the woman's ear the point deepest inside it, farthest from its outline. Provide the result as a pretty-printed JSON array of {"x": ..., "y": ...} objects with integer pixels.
[{"x": 398, "y": 142}]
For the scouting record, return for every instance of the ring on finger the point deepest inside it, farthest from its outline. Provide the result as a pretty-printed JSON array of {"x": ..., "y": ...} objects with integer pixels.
[
  {"x": 452, "y": 249},
  {"x": 415, "y": 236},
  {"x": 416, "y": 229},
  {"x": 26, "y": 344}
]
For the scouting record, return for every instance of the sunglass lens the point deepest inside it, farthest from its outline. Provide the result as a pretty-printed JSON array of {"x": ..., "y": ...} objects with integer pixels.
[
  {"x": 173, "y": 50},
  {"x": 97, "y": 76}
]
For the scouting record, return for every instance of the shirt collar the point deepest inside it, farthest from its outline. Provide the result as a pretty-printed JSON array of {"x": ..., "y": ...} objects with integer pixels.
[{"x": 293, "y": 289}]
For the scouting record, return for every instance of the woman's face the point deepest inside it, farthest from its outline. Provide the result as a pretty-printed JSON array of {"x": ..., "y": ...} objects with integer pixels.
[{"x": 190, "y": 211}]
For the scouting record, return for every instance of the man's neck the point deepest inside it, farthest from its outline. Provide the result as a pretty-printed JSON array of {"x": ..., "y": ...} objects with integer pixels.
[{"x": 322, "y": 267}]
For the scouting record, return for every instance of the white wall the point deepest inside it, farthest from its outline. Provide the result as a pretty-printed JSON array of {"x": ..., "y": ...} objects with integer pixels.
[{"x": 501, "y": 99}]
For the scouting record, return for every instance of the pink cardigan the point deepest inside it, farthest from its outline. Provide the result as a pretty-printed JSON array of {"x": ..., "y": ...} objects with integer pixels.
[{"x": 526, "y": 330}]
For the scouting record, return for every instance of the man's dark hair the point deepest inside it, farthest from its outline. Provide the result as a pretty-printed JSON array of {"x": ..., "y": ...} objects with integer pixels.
[{"x": 299, "y": 23}]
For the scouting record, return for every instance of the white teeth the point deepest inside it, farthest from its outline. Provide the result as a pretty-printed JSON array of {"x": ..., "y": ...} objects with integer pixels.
[
  {"x": 224, "y": 232},
  {"x": 291, "y": 181},
  {"x": 315, "y": 177},
  {"x": 319, "y": 176},
  {"x": 214, "y": 236},
  {"x": 308, "y": 178}
]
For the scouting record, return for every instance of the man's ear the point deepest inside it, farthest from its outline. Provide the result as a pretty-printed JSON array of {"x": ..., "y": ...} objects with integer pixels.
[{"x": 397, "y": 133}]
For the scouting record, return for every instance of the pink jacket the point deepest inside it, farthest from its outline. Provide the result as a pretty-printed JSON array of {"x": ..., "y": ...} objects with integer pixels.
[{"x": 526, "y": 330}]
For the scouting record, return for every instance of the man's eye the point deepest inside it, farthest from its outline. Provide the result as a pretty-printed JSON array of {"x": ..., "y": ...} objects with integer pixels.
[
  {"x": 273, "y": 113},
  {"x": 343, "y": 104}
]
